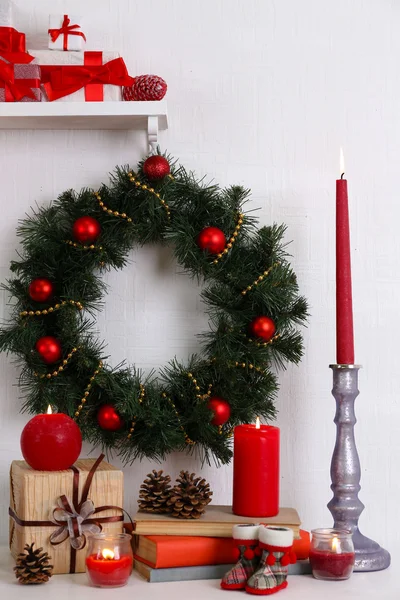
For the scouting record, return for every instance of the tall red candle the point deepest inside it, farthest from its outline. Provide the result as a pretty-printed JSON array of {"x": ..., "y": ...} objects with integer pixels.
[
  {"x": 256, "y": 471},
  {"x": 344, "y": 300}
]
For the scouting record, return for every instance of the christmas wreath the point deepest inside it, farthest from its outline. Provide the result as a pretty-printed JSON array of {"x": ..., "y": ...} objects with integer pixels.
[{"x": 250, "y": 292}]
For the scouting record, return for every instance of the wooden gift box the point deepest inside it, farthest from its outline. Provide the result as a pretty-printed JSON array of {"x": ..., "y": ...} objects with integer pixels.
[{"x": 35, "y": 494}]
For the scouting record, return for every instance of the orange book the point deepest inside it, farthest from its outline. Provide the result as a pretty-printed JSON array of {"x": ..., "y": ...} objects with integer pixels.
[{"x": 163, "y": 552}]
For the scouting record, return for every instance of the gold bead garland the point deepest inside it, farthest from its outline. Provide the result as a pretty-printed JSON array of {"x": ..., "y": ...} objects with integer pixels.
[
  {"x": 232, "y": 239},
  {"x": 197, "y": 388},
  {"x": 141, "y": 398},
  {"x": 87, "y": 390},
  {"x": 264, "y": 344},
  {"x": 243, "y": 365},
  {"x": 60, "y": 368},
  {"x": 51, "y": 309},
  {"x": 109, "y": 211},
  {"x": 151, "y": 190},
  {"x": 188, "y": 441},
  {"x": 259, "y": 278},
  {"x": 76, "y": 245}
]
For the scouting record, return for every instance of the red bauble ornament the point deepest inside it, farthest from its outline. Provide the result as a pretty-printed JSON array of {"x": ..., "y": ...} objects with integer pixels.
[
  {"x": 146, "y": 87},
  {"x": 108, "y": 418},
  {"x": 41, "y": 290},
  {"x": 50, "y": 349},
  {"x": 86, "y": 230},
  {"x": 211, "y": 239},
  {"x": 221, "y": 410},
  {"x": 262, "y": 327},
  {"x": 156, "y": 167},
  {"x": 51, "y": 442}
]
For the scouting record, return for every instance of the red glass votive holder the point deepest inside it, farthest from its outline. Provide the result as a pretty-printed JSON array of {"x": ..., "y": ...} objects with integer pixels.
[
  {"x": 332, "y": 554},
  {"x": 109, "y": 560}
]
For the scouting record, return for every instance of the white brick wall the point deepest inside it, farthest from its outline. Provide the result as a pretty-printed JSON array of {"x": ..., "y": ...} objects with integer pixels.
[{"x": 261, "y": 93}]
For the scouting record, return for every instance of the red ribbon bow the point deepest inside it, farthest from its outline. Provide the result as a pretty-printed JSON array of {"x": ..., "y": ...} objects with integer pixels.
[
  {"x": 60, "y": 81},
  {"x": 15, "y": 89},
  {"x": 12, "y": 46},
  {"x": 66, "y": 29}
]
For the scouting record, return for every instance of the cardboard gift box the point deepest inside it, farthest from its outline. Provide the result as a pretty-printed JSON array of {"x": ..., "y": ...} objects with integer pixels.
[
  {"x": 65, "y": 33},
  {"x": 20, "y": 82},
  {"x": 82, "y": 76},
  {"x": 58, "y": 509}
]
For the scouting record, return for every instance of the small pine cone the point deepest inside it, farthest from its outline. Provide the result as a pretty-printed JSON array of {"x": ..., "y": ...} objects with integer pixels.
[
  {"x": 188, "y": 499},
  {"x": 146, "y": 87},
  {"x": 154, "y": 492},
  {"x": 33, "y": 566}
]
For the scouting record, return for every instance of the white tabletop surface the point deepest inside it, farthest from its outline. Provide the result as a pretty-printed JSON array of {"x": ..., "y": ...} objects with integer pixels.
[{"x": 383, "y": 585}]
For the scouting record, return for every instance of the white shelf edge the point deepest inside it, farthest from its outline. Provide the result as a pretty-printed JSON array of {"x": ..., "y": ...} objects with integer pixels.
[{"x": 85, "y": 115}]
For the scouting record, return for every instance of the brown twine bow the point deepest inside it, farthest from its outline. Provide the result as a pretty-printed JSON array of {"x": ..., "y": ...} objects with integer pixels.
[{"x": 73, "y": 518}]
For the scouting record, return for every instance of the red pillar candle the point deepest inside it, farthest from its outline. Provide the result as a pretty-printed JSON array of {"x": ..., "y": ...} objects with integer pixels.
[
  {"x": 51, "y": 442},
  {"x": 256, "y": 470},
  {"x": 344, "y": 301}
]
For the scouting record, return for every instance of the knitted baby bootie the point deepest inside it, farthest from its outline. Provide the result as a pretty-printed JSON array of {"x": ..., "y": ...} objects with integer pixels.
[
  {"x": 271, "y": 575},
  {"x": 246, "y": 542}
]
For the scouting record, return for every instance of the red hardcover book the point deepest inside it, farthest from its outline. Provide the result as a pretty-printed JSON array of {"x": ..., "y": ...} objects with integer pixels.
[{"x": 163, "y": 552}]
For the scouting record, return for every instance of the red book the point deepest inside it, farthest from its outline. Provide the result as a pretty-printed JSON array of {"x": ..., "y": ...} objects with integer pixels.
[{"x": 163, "y": 551}]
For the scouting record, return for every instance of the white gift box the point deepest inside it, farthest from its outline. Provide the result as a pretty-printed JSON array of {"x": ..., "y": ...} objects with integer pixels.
[
  {"x": 71, "y": 38},
  {"x": 112, "y": 93},
  {"x": 6, "y": 13}
]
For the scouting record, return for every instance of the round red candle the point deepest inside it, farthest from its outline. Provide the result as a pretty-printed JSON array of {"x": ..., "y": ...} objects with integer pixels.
[
  {"x": 51, "y": 442},
  {"x": 344, "y": 300},
  {"x": 113, "y": 572},
  {"x": 256, "y": 471},
  {"x": 328, "y": 565}
]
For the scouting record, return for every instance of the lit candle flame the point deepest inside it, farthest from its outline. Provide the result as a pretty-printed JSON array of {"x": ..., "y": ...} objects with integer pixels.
[
  {"x": 342, "y": 169},
  {"x": 336, "y": 546},
  {"x": 107, "y": 554},
  {"x": 49, "y": 410},
  {"x": 258, "y": 423}
]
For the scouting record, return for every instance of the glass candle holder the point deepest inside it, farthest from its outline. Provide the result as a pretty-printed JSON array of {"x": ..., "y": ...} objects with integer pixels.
[
  {"x": 332, "y": 554},
  {"x": 109, "y": 559}
]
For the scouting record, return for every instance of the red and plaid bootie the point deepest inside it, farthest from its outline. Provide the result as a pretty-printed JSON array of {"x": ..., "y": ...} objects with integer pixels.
[
  {"x": 271, "y": 576},
  {"x": 246, "y": 542}
]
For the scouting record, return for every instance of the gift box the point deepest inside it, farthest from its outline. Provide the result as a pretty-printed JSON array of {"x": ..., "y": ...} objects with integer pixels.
[
  {"x": 82, "y": 76},
  {"x": 19, "y": 83},
  {"x": 6, "y": 14},
  {"x": 65, "y": 33},
  {"x": 58, "y": 509}
]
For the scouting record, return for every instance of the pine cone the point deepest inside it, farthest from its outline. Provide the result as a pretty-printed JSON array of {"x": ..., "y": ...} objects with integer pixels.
[
  {"x": 33, "y": 566},
  {"x": 190, "y": 497},
  {"x": 154, "y": 493}
]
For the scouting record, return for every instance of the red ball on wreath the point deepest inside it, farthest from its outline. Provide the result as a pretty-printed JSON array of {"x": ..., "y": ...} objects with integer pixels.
[
  {"x": 41, "y": 290},
  {"x": 262, "y": 327},
  {"x": 49, "y": 348},
  {"x": 108, "y": 418},
  {"x": 211, "y": 239},
  {"x": 86, "y": 230},
  {"x": 156, "y": 167},
  {"x": 221, "y": 409}
]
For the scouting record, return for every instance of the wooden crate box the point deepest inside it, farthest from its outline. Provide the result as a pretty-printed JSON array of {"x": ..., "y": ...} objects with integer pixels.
[{"x": 35, "y": 494}]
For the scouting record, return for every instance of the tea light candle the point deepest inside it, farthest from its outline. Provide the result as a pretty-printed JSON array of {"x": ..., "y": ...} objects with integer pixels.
[
  {"x": 108, "y": 567},
  {"x": 331, "y": 554}
]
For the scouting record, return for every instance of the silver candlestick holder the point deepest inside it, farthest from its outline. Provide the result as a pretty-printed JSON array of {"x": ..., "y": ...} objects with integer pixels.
[{"x": 345, "y": 506}]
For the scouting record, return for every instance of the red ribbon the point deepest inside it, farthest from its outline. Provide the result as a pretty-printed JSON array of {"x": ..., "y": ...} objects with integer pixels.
[
  {"x": 66, "y": 29},
  {"x": 12, "y": 46},
  {"x": 63, "y": 80},
  {"x": 16, "y": 89}
]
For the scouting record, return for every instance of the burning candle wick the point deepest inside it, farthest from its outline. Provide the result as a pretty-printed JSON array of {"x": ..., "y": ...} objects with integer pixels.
[
  {"x": 258, "y": 423},
  {"x": 49, "y": 410},
  {"x": 107, "y": 554}
]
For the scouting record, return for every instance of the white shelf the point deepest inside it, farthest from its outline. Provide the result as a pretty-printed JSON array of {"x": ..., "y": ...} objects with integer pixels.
[{"x": 150, "y": 116}]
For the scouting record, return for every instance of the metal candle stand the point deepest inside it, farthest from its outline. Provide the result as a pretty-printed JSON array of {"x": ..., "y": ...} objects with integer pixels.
[{"x": 345, "y": 505}]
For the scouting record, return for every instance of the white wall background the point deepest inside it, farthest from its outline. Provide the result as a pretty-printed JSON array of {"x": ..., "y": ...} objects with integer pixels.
[{"x": 261, "y": 93}]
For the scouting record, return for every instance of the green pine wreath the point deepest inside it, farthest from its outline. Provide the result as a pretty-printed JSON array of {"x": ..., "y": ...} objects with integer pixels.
[{"x": 250, "y": 277}]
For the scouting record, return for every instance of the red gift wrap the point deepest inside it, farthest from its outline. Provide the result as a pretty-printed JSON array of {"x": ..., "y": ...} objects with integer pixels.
[
  {"x": 62, "y": 80},
  {"x": 19, "y": 83}
]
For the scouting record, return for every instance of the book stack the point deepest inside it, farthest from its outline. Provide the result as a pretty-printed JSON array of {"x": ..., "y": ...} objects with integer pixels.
[{"x": 168, "y": 549}]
